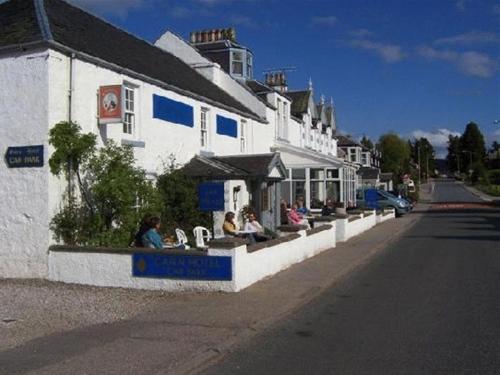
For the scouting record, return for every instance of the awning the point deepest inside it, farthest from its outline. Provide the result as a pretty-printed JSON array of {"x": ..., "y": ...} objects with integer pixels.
[{"x": 268, "y": 167}]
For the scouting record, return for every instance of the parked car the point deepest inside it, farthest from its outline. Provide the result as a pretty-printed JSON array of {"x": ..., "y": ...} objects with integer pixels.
[
  {"x": 402, "y": 196},
  {"x": 384, "y": 200}
]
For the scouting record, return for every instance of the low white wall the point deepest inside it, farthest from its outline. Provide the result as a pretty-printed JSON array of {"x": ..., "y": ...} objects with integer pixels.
[
  {"x": 347, "y": 229},
  {"x": 386, "y": 216},
  {"x": 115, "y": 270}
]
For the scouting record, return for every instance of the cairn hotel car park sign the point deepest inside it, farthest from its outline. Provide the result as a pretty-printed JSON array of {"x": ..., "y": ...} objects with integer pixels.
[
  {"x": 110, "y": 104},
  {"x": 24, "y": 157},
  {"x": 173, "y": 266}
]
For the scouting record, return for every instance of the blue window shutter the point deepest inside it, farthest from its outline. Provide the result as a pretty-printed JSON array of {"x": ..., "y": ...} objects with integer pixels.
[
  {"x": 227, "y": 126},
  {"x": 172, "y": 111}
]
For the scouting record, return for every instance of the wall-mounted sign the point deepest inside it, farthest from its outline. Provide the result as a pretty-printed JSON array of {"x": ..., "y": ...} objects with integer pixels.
[
  {"x": 24, "y": 157},
  {"x": 211, "y": 196},
  {"x": 190, "y": 267},
  {"x": 110, "y": 104}
]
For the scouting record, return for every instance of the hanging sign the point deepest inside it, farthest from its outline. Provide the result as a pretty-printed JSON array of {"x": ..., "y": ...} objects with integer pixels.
[
  {"x": 24, "y": 157},
  {"x": 110, "y": 104}
]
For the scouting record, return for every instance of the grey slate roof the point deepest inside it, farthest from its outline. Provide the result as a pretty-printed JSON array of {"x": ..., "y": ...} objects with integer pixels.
[
  {"x": 234, "y": 166},
  {"x": 368, "y": 173},
  {"x": 344, "y": 141},
  {"x": 24, "y": 21},
  {"x": 258, "y": 87},
  {"x": 300, "y": 102}
]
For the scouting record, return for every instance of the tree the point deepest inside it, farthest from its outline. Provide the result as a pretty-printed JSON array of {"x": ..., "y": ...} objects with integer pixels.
[
  {"x": 395, "y": 155},
  {"x": 454, "y": 153},
  {"x": 114, "y": 193},
  {"x": 472, "y": 142},
  {"x": 365, "y": 141},
  {"x": 179, "y": 194},
  {"x": 424, "y": 155}
]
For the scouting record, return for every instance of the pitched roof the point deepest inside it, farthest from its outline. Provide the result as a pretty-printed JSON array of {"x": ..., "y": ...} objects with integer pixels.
[
  {"x": 24, "y": 21},
  {"x": 300, "y": 102},
  {"x": 369, "y": 173},
  {"x": 258, "y": 87},
  {"x": 236, "y": 166},
  {"x": 344, "y": 141}
]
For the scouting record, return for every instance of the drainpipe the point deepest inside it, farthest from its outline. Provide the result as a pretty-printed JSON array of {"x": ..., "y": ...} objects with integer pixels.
[{"x": 70, "y": 118}]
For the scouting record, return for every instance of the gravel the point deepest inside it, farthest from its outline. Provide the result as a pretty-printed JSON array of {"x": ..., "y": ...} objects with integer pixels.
[{"x": 35, "y": 308}]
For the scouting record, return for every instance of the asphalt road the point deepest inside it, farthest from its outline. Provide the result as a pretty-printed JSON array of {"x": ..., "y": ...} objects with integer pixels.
[{"x": 428, "y": 304}]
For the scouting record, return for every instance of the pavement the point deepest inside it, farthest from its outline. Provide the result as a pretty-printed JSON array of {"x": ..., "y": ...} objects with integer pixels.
[
  {"x": 481, "y": 195},
  {"x": 184, "y": 333}
]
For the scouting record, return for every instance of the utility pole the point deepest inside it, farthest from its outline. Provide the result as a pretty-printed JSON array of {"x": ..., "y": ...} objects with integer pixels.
[{"x": 418, "y": 153}]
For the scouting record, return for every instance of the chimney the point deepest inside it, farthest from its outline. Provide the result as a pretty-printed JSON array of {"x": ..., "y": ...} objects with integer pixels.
[{"x": 277, "y": 80}]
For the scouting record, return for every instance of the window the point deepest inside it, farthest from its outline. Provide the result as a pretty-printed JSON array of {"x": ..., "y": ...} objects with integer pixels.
[
  {"x": 204, "y": 128},
  {"x": 249, "y": 66},
  {"x": 285, "y": 120},
  {"x": 352, "y": 154},
  {"x": 317, "y": 188},
  {"x": 129, "y": 112},
  {"x": 237, "y": 62},
  {"x": 298, "y": 184},
  {"x": 243, "y": 141}
]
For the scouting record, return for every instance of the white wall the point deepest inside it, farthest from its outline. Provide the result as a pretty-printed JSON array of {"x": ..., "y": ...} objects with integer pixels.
[
  {"x": 184, "y": 51},
  {"x": 24, "y": 192}
]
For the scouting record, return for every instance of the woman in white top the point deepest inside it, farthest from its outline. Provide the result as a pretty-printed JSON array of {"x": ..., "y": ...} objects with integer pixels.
[{"x": 252, "y": 225}]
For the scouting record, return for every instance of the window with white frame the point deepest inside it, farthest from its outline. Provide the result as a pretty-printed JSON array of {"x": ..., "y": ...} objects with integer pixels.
[
  {"x": 243, "y": 134},
  {"x": 204, "y": 127},
  {"x": 285, "y": 120},
  {"x": 237, "y": 62},
  {"x": 129, "y": 110}
]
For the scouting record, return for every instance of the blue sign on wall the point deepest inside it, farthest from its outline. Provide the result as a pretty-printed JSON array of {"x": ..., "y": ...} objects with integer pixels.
[
  {"x": 24, "y": 157},
  {"x": 189, "y": 267},
  {"x": 227, "y": 126},
  {"x": 172, "y": 111},
  {"x": 211, "y": 196},
  {"x": 371, "y": 198}
]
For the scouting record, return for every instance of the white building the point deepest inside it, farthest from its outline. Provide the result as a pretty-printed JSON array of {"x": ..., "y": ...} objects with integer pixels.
[{"x": 55, "y": 59}]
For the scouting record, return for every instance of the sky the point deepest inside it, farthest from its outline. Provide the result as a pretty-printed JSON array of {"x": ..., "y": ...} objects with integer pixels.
[{"x": 418, "y": 68}]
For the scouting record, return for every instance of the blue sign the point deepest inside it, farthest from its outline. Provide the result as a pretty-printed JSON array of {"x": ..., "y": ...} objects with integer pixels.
[
  {"x": 172, "y": 111},
  {"x": 189, "y": 267},
  {"x": 227, "y": 126},
  {"x": 371, "y": 198},
  {"x": 24, "y": 157},
  {"x": 211, "y": 196}
]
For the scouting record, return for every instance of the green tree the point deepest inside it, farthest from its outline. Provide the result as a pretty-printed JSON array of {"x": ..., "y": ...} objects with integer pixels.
[
  {"x": 423, "y": 154},
  {"x": 179, "y": 195},
  {"x": 115, "y": 193},
  {"x": 395, "y": 155},
  {"x": 472, "y": 143},
  {"x": 365, "y": 141},
  {"x": 454, "y": 156}
]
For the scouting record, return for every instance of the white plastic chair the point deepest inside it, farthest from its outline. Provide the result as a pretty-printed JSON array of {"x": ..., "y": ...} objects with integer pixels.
[
  {"x": 181, "y": 238},
  {"x": 201, "y": 234}
]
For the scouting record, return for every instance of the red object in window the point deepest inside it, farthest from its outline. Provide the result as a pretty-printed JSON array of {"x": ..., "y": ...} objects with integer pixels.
[{"x": 110, "y": 104}]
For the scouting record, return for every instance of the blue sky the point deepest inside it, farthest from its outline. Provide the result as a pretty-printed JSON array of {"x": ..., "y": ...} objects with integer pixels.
[{"x": 419, "y": 68}]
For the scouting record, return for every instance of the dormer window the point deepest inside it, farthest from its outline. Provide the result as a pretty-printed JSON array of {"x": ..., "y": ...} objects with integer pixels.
[
  {"x": 237, "y": 62},
  {"x": 249, "y": 66}
]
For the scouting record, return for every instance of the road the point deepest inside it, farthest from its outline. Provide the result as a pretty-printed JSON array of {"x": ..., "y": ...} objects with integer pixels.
[{"x": 428, "y": 304}]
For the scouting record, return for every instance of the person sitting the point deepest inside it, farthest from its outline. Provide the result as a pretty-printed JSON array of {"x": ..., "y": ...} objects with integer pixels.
[
  {"x": 283, "y": 212},
  {"x": 301, "y": 208},
  {"x": 143, "y": 228},
  {"x": 152, "y": 236},
  {"x": 231, "y": 229},
  {"x": 328, "y": 209},
  {"x": 252, "y": 225},
  {"x": 295, "y": 218}
]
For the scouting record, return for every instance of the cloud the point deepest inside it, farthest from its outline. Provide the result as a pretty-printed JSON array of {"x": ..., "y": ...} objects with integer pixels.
[
  {"x": 470, "y": 62},
  {"x": 438, "y": 139},
  {"x": 327, "y": 21},
  {"x": 360, "y": 33},
  {"x": 115, "y": 7},
  {"x": 390, "y": 53},
  {"x": 461, "y": 4},
  {"x": 472, "y": 37},
  {"x": 244, "y": 21}
]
